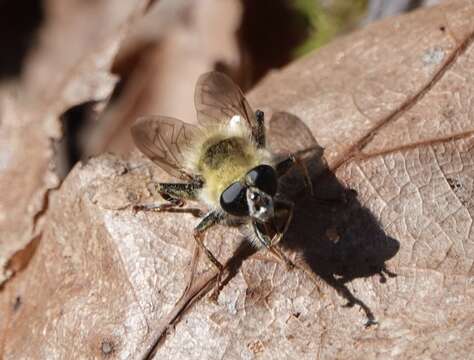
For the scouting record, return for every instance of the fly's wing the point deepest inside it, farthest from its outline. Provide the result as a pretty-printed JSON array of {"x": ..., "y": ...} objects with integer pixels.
[
  {"x": 287, "y": 134},
  {"x": 164, "y": 140},
  {"x": 217, "y": 99}
]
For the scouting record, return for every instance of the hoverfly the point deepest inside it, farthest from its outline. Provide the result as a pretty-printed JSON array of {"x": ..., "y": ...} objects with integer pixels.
[{"x": 222, "y": 162}]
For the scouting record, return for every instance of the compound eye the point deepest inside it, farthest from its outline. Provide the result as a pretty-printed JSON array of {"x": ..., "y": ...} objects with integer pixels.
[
  {"x": 234, "y": 201},
  {"x": 264, "y": 178}
]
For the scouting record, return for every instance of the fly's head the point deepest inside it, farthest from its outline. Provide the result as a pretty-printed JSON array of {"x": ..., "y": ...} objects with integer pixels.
[{"x": 253, "y": 196}]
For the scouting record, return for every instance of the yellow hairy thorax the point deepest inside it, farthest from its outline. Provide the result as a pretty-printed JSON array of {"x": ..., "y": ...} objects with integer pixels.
[
  {"x": 223, "y": 156},
  {"x": 224, "y": 162}
]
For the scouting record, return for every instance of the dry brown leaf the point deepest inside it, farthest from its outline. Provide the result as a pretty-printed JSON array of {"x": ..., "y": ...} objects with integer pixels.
[
  {"x": 66, "y": 69},
  {"x": 391, "y": 104}
]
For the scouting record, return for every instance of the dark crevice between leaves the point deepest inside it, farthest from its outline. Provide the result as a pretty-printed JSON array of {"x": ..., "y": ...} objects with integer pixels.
[
  {"x": 19, "y": 23},
  {"x": 69, "y": 149},
  {"x": 356, "y": 149}
]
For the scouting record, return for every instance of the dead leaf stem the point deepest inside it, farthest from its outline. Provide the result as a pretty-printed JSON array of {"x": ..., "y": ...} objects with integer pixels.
[{"x": 356, "y": 149}]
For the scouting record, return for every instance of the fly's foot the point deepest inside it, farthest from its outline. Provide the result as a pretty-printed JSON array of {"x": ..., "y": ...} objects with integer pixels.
[{"x": 282, "y": 258}]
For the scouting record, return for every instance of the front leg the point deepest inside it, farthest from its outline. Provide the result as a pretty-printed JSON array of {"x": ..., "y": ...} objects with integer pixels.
[
  {"x": 297, "y": 159},
  {"x": 270, "y": 234},
  {"x": 283, "y": 209},
  {"x": 259, "y": 136}
]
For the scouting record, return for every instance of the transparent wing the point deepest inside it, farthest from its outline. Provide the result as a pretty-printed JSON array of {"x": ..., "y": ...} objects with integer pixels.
[
  {"x": 164, "y": 140},
  {"x": 217, "y": 99},
  {"x": 287, "y": 133}
]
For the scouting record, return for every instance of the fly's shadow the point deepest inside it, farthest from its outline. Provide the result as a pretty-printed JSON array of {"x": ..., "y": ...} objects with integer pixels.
[{"x": 338, "y": 238}]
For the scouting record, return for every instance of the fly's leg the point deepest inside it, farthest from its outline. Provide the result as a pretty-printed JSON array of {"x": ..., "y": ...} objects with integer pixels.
[
  {"x": 286, "y": 164},
  {"x": 192, "y": 271},
  {"x": 259, "y": 136},
  {"x": 169, "y": 208},
  {"x": 275, "y": 251},
  {"x": 282, "y": 208},
  {"x": 175, "y": 194},
  {"x": 296, "y": 159},
  {"x": 210, "y": 219},
  {"x": 280, "y": 255}
]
